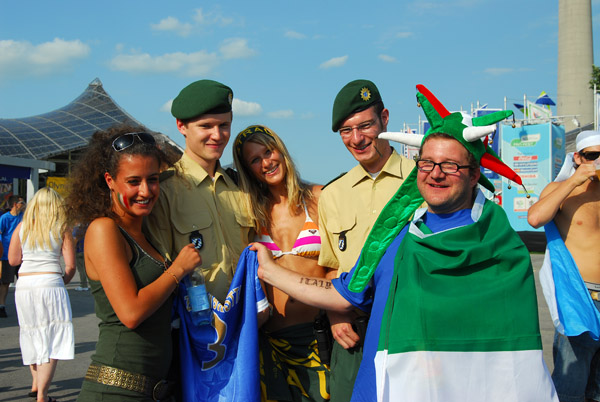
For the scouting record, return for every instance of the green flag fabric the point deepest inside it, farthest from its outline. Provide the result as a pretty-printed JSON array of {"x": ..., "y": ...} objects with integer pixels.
[{"x": 461, "y": 321}]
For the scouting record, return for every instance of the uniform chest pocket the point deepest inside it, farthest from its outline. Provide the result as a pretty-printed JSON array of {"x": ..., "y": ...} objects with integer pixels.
[
  {"x": 242, "y": 217},
  {"x": 340, "y": 228},
  {"x": 185, "y": 225}
]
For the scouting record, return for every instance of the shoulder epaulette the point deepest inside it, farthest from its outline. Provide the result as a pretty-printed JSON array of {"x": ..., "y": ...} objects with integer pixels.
[
  {"x": 233, "y": 175},
  {"x": 166, "y": 175},
  {"x": 331, "y": 181}
]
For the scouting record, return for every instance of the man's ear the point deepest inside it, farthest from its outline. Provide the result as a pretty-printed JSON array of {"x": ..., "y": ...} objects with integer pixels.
[
  {"x": 182, "y": 127},
  {"x": 385, "y": 118}
]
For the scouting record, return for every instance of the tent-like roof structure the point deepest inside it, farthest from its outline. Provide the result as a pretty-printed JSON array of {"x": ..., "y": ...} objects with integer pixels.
[{"x": 66, "y": 129}]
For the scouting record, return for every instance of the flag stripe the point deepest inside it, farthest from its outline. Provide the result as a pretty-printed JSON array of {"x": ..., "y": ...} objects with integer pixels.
[
  {"x": 440, "y": 376},
  {"x": 454, "y": 291}
]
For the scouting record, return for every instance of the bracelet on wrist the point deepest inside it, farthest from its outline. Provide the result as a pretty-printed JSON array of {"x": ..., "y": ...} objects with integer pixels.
[{"x": 174, "y": 277}]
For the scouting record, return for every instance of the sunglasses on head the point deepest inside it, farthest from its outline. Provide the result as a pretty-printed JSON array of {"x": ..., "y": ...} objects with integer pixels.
[
  {"x": 126, "y": 140},
  {"x": 591, "y": 155}
]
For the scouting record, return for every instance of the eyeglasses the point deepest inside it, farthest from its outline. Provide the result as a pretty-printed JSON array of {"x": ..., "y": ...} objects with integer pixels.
[
  {"x": 590, "y": 156},
  {"x": 425, "y": 165},
  {"x": 362, "y": 128},
  {"x": 126, "y": 140}
]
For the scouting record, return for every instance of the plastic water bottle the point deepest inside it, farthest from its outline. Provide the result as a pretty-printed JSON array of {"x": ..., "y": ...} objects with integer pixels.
[{"x": 198, "y": 297}]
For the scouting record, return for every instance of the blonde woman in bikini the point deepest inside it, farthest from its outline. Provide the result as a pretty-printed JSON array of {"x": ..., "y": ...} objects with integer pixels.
[{"x": 284, "y": 211}]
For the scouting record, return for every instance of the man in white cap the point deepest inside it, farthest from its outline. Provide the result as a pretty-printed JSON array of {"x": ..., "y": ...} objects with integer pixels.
[{"x": 569, "y": 208}]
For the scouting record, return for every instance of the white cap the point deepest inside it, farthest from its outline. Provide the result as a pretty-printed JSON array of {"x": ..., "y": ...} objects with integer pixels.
[{"x": 587, "y": 139}]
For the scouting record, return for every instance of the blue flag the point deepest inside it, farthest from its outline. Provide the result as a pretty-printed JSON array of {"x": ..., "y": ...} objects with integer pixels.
[
  {"x": 219, "y": 362},
  {"x": 571, "y": 307}
]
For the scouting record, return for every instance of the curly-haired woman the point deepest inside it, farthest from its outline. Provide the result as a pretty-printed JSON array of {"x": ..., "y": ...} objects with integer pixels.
[{"x": 113, "y": 188}]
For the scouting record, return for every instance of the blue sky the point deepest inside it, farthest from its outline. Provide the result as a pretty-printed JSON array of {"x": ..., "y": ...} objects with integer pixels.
[{"x": 284, "y": 60}]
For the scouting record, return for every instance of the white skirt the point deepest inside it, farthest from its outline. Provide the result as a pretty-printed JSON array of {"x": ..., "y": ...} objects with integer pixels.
[{"x": 45, "y": 319}]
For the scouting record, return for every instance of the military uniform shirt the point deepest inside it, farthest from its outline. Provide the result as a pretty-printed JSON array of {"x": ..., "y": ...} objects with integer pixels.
[
  {"x": 212, "y": 206},
  {"x": 350, "y": 205}
]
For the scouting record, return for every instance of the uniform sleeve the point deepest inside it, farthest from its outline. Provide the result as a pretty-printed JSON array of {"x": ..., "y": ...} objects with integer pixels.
[
  {"x": 158, "y": 228},
  {"x": 327, "y": 257}
]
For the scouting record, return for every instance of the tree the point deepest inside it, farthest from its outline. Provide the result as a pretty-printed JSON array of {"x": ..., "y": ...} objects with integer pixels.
[{"x": 595, "y": 77}]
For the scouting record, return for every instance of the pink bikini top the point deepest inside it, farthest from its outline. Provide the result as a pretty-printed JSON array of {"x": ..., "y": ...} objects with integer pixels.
[{"x": 308, "y": 243}]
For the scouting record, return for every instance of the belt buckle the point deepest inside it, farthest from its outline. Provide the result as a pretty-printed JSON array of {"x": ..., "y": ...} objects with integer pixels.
[
  {"x": 595, "y": 295},
  {"x": 160, "y": 390}
]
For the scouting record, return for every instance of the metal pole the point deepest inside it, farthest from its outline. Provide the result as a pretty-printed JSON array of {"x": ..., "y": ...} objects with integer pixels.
[{"x": 595, "y": 108}]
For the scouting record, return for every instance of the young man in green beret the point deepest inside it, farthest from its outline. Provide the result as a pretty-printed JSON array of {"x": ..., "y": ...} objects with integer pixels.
[
  {"x": 198, "y": 199},
  {"x": 348, "y": 208}
]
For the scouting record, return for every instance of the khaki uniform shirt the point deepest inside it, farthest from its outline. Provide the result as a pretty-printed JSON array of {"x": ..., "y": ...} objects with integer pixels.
[
  {"x": 350, "y": 205},
  {"x": 196, "y": 202}
]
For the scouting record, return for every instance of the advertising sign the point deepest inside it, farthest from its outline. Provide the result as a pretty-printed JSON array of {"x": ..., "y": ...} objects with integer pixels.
[
  {"x": 493, "y": 141},
  {"x": 57, "y": 183},
  {"x": 535, "y": 152}
]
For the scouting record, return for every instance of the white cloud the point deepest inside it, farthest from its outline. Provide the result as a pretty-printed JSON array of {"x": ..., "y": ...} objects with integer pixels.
[
  {"x": 334, "y": 62},
  {"x": 197, "y": 63},
  {"x": 174, "y": 25},
  {"x": 167, "y": 106},
  {"x": 387, "y": 58},
  {"x": 294, "y": 35},
  {"x": 210, "y": 18},
  {"x": 23, "y": 58},
  {"x": 403, "y": 35},
  {"x": 199, "y": 16},
  {"x": 498, "y": 70},
  {"x": 281, "y": 114},
  {"x": 244, "y": 108},
  {"x": 236, "y": 48}
]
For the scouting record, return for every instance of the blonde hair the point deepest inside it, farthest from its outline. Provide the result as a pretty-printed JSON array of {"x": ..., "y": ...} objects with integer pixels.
[
  {"x": 44, "y": 217},
  {"x": 256, "y": 193}
]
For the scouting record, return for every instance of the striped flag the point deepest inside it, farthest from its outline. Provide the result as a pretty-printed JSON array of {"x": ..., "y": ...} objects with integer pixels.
[
  {"x": 544, "y": 99},
  {"x": 537, "y": 111},
  {"x": 571, "y": 307},
  {"x": 461, "y": 323}
]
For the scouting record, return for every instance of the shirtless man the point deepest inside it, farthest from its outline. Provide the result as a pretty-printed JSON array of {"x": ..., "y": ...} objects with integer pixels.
[{"x": 573, "y": 202}]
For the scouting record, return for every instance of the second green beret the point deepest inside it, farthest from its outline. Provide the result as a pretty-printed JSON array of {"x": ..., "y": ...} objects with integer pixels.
[
  {"x": 202, "y": 97},
  {"x": 356, "y": 96}
]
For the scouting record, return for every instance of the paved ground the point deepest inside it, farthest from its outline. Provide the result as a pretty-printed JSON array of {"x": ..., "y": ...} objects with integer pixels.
[{"x": 15, "y": 379}]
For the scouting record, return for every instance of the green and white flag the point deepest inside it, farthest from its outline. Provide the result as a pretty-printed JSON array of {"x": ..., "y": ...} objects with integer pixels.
[{"x": 461, "y": 323}]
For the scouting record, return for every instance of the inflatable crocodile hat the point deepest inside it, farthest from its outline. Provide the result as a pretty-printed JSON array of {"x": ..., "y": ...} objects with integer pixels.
[
  {"x": 466, "y": 130},
  {"x": 398, "y": 211}
]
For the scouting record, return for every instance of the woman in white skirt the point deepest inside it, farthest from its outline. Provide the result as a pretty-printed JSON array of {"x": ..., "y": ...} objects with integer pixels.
[{"x": 43, "y": 307}]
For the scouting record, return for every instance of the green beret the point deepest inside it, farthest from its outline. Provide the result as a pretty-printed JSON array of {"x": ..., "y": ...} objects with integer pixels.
[
  {"x": 202, "y": 97},
  {"x": 355, "y": 97}
]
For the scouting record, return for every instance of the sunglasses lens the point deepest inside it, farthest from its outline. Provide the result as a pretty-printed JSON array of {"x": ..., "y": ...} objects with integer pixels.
[
  {"x": 122, "y": 142},
  {"x": 127, "y": 140},
  {"x": 146, "y": 138},
  {"x": 591, "y": 156}
]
